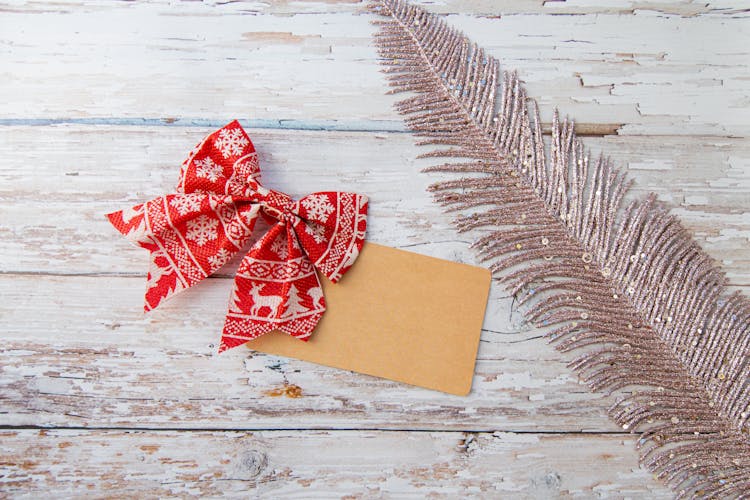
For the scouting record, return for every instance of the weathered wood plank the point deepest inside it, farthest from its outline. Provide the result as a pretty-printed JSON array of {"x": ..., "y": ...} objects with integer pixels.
[
  {"x": 478, "y": 8},
  {"x": 56, "y": 183},
  {"x": 260, "y": 60},
  {"x": 77, "y": 351},
  {"x": 320, "y": 465}
]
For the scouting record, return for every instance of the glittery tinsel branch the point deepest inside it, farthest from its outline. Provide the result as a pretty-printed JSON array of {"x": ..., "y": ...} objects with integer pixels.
[{"x": 623, "y": 283}]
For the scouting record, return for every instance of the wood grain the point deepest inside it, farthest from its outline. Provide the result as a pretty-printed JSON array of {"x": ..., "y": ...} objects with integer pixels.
[
  {"x": 314, "y": 61},
  {"x": 97, "y": 169},
  {"x": 109, "y": 365},
  {"x": 320, "y": 464},
  {"x": 103, "y": 99}
]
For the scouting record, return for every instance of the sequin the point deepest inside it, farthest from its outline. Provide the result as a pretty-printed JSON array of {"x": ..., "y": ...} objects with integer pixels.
[{"x": 586, "y": 257}]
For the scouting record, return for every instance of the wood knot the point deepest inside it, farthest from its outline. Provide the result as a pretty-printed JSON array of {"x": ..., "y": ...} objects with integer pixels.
[{"x": 251, "y": 464}]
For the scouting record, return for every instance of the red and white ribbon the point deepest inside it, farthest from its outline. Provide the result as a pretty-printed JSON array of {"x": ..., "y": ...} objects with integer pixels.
[{"x": 195, "y": 231}]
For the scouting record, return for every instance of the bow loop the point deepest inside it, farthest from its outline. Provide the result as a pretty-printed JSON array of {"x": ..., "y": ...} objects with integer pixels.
[
  {"x": 194, "y": 232},
  {"x": 190, "y": 236},
  {"x": 225, "y": 162},
  {"x": 331, "y": 228}
]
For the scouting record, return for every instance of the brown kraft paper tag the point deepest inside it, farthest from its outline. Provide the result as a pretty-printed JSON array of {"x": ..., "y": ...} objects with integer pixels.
[{"x": 398, "y": 315}]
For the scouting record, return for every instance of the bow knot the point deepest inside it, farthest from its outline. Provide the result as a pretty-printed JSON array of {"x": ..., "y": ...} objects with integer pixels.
[
  {"x": 192, "y": 233},
  {"x": 279, "y": 206}
]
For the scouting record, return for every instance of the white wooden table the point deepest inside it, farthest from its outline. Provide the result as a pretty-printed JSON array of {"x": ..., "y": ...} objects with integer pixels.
[{"x": 101, "y": 101}]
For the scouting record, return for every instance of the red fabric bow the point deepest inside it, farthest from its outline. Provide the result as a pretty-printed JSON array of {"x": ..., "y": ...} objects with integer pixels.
[{"x": 195, "y": 231}]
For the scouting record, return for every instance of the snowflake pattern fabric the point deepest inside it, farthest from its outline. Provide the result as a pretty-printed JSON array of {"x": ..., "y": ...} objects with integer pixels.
[
  {"x": 218, "y": 260},
  {"x": 187, "y": 203},
  {"x": 201, "y": 230},
  {"x": 279, "y": 247},
  {"x": 231, "y": 142},
  {"x": 318, "y": 207},
  {"x": 207, "y": 169},
  {"x": 192, "y": 233}
]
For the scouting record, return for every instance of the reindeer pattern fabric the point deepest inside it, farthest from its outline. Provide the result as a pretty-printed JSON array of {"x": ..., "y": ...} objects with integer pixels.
[{"x": 192, "y": 233}]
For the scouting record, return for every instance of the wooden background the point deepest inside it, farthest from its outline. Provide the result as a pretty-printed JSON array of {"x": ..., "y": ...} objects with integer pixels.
[{"x": 100, "y": 102}]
